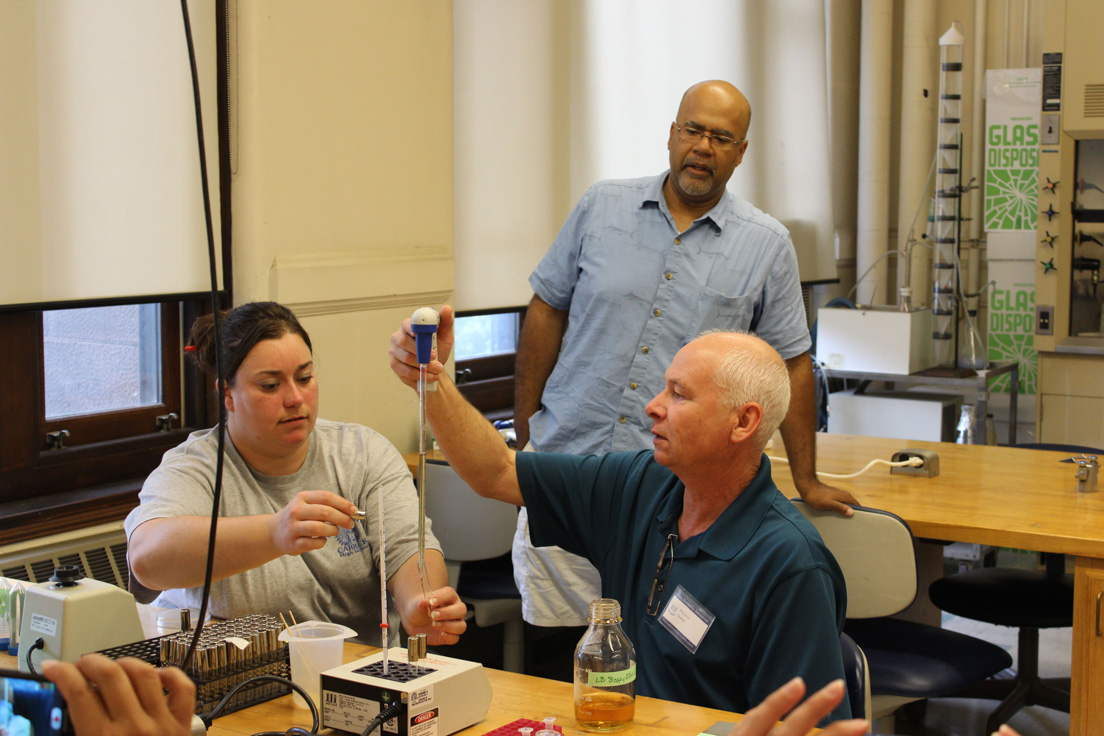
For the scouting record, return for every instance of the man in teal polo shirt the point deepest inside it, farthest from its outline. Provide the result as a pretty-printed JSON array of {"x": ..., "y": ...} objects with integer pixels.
[{"x": 726, "y": 591}]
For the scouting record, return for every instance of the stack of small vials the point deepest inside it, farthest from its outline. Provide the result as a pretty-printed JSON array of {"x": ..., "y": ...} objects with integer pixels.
[{"x": 230, "y": 652}]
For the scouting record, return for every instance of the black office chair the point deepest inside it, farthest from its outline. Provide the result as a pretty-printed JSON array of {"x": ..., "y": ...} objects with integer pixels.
[
  {"x": 1026, "y": 599},
  {"x": 856, "y": 675}
]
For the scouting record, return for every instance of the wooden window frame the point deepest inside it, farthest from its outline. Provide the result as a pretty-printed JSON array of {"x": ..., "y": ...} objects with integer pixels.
[
  {"x": 87, "y": 429},
  {"x": 96, "y": 477},
  {"x": 99, "y": 482},
  {"x": 488, "y": 382}
]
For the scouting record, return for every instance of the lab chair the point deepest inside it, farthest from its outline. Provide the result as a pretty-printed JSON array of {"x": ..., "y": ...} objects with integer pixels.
[
  {"x": 856, "y": 675},
  {"x": 476, "y": 536},
  {"x": 908, "y": 661},
  {"x": 1025, "y": 599}
]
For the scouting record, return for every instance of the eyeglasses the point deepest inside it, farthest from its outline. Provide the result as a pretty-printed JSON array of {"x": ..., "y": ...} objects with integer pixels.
[
  {"x": 691, "y": 133},
  {"x": 663, "y": 570}
]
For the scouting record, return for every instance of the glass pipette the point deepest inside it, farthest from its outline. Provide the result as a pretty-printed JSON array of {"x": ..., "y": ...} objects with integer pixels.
[
  {"x": 424, "y": 325},
  {"x": 384, "y": 624}
]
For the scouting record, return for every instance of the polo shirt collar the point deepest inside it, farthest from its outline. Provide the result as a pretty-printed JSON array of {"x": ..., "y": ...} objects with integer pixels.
[
  {"x": 719, "y": 215},
  {"x": 735, "y": 526}
]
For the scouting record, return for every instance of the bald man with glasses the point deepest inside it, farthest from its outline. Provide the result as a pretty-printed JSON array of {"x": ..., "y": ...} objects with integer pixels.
[
  {"x": 726, "y": 591},
  {"x": 639, "y": 268}
]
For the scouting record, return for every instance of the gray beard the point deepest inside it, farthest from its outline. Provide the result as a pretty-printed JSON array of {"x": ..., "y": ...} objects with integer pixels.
[{"x": 693, "y": 186}]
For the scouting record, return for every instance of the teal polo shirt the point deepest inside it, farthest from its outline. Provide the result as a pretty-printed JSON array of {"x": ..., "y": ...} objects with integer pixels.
[{"x": 761, "y": 569}]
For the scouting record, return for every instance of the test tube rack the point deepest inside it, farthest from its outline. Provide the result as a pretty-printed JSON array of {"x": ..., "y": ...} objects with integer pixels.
[
  {"x": 513, "y": 728},
  {"x": 228, "y": 653}
]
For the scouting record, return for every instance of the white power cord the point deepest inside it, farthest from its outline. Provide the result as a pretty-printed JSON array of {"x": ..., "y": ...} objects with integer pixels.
[{"x": 914, "y": 462}]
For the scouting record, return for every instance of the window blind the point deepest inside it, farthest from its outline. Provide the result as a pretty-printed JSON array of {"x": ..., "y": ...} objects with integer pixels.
[{"x": 100, "y": 192}]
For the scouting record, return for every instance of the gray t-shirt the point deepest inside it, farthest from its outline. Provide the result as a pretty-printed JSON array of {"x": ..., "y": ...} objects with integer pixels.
[{"x": 339, "y": 582}]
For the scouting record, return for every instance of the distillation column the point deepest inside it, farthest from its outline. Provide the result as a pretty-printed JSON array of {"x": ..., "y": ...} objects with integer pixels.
[{"x": 948, "y": 197}]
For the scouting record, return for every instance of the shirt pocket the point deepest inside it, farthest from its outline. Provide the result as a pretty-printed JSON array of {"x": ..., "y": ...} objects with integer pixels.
[{"x": 718, "y": 311}]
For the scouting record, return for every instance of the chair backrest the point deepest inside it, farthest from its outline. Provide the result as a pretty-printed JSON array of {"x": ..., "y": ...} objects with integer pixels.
[
  {"x": 874, "y": 549},
  {"x": 468, "y": 526}
]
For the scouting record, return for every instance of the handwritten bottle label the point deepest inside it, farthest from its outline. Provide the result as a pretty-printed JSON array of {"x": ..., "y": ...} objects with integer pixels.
[{"x": 612, "y": 679}]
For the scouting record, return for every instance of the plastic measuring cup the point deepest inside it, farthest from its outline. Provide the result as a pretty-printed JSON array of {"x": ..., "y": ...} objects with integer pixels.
[{"x": 314, "y": 647}]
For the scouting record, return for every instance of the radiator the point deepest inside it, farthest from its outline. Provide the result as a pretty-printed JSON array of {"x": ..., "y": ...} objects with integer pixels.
[{"x": 99, "y": 550}]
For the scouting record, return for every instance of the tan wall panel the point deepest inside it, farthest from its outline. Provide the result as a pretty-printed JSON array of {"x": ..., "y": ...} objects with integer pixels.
[
  {"x": 1071, "y": 420},
  {"x": 1082, "y": 68},
  {"x": 355, "y": 382},
  {"x": 19, "y": 186},
  {"x": 343, "y": 151},
  {"x": 1071, "y": 375}
]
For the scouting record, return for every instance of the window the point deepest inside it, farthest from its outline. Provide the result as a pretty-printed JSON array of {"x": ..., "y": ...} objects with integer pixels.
[
  {"x": 101, "y": 359},
  {"x": 109, "y": 373},
  {"x": 100, "y": 379},
  {"x": 102, "y": 394},
  {"x": 485, "y": 350},
  {"x": 484, "y": 335}
]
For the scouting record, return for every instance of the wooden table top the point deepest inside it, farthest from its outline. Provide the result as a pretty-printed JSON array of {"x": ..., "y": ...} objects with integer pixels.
[
  {"x": 1003, "y": 496},
  {"x": 514, "y": 696}
]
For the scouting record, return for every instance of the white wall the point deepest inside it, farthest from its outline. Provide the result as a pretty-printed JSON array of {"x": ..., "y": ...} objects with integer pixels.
[
  {"x": 511, "y": 64},
  {"x": 552, "y": 96}
]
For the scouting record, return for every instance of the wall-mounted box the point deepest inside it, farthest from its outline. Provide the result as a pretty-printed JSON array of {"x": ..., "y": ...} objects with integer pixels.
[{"x": 874, "y": 339}]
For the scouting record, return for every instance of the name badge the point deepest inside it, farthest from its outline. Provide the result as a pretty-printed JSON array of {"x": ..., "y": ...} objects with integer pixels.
[{"x": 686, "y": 619}]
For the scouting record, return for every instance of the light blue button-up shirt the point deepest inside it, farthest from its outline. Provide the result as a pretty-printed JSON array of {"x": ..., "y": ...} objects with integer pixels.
[{"x": 637, "y": 290}]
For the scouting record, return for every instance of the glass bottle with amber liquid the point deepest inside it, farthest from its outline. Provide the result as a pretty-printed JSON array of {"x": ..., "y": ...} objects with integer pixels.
[{"x": 605, "y": 671}]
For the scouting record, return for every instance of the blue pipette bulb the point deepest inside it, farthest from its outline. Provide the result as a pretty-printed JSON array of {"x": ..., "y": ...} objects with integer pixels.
[{"x": 424, "y": 324}]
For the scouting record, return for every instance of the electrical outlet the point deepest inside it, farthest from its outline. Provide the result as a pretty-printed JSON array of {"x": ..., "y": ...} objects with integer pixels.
[
  {"x": 1048, "y": 129},
  {"x": 1044, "y": 319},
  {"x": 929, "y": 468}
]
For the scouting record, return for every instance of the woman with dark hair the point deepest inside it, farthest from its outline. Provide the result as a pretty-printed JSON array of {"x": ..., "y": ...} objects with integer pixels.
[{"x": 290, "y": 483}]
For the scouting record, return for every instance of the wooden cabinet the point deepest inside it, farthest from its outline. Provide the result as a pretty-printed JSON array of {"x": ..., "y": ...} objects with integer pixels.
[
  {"x": 1071, "y": 399},
  {"x": 1087, "y": 703}
]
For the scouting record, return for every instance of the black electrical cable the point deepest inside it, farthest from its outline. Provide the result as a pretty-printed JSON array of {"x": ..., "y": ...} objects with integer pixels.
[
  {"x": 220, "y": 384},
  {"x": 388, "y": 713},
  {"x": 384, "y": 716},
  {"x": 293, "y": 731},
  {"x": 40, "y": 643},
  {"x": 221, "y": 452}
]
